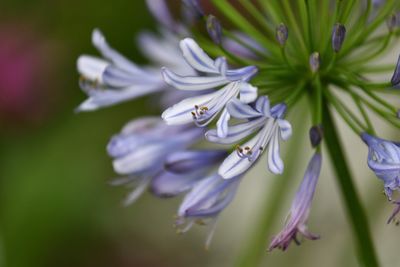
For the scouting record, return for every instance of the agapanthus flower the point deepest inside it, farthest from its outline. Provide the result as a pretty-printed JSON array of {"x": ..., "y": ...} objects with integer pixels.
[
  {"x": 204, "y": 108},
  {"x": 238, "y": 74},
  {"x": 269, "y": 126},
  {"x": 298, "y": 216},
  {"x": 205, "y": 201},
  {"x": 141, "y": 148}
]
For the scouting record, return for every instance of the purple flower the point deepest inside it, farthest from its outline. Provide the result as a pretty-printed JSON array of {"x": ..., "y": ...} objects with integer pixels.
[
  {"x": 204, "y": 108},
  {"x": 140, "y": 150},
  {"x": 297, "y": 219},
  {"x": 183, "y": 169},
  {"x": 384, "y": 160},
  {"x": 205, "y": 202},
  {"x": 269, "y": 126}
]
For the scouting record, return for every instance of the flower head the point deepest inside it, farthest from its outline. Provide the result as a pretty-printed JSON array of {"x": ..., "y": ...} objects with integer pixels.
[{"x": 297, "y": 219}]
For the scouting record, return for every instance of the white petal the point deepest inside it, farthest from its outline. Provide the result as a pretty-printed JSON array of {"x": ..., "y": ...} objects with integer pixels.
[
  {"x": 196, "y": 57},
  {"x": 92, "y": 68},
  {"x": 109, "y": 53},
  {"x": 285, "y": 129},
  {"x": 181, "y": 113},
  {"x": 236, "y": 132},
  {"x": 248, "y": 93},
  {"x": 99, "y": 98},
  {"x": 275, "y": 163},
  {"x": 222, "y": 124},
  {"x": 234, "y": 165},
  {"x": 263, "y": 106},
  {"x": 239, "y": 110},
  {"x": 192, "y": 82}
]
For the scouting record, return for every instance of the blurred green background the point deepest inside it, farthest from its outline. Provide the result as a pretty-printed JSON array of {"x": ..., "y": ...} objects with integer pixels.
[{"x": 56, "y": 206}]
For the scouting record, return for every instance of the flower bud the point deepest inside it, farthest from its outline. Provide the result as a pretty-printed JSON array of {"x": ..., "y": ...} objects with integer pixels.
[
  {"x": 392, "y": 22},
  {"x": 315, "y": 62},
  {"x": 214, "y": 29},
  {"x": 282, "y": 34},
  {"x": 194, "y": 7},
  {"x": 338, "y": 36},
  {"x": 396, "y": 75},
  {"x": 316, "y": 134}
]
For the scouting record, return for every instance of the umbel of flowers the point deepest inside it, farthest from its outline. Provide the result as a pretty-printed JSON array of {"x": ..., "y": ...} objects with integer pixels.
[{"x": 230, "y": 75}]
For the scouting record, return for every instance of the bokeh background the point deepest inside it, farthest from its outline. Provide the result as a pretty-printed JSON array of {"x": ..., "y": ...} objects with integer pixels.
[{"x": 56, "y": 206}]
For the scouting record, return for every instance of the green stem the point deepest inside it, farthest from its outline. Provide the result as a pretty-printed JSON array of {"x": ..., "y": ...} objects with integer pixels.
[{"x": 355, "y": 211}]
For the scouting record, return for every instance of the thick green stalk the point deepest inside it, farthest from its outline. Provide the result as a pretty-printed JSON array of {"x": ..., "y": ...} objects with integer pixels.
[{"x": 355, "y": 211}]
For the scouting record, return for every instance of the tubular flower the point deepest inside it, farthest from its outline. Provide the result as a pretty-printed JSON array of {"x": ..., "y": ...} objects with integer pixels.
[
  {"x": 205, "y": 201},
  {"x": 269, "y": 125},
  {"x": 234, "y": 87},
  {"x": 204, "y": 108},
  {"x": 141, "y": 148},
  {"x": 296, "y": 221}
]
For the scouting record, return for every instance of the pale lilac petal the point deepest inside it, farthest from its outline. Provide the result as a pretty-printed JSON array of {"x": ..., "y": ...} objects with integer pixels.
[
  {"x": 193, "y": 160},
  {"x": 275, "y": 163},
  {"x": 161, "y": 13},
  {"x": 196, "y": 57},
  {"x": 236, "y": 132},
  {"x": 91, "y": 68},
  {"x": 263, "y": 106},
  {"x": 248, "y": 93},
  {"x": 234, "y": 165},
  {"x": 109, "y": 53},
  {"x": 240, "y": 110},
  {"x": 181, "y": 113},
  {"x": 222, "y": 124},
  {"x": 192, "y": 82},
  {"x": 285, "y": 129}
]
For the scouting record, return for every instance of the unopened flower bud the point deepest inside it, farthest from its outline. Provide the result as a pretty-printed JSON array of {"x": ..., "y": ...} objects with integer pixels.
[
  {"x": 316, "y": 134},
  {"x": 315, "y": 62},
  {"x": 396, "y": 75},
  {"x": 398, "y": 114},
  {"x": 282, "y": 34},
  {"x": 194, "y": 7},
  {"x": 392, "y": 22},
  {"x": 338, "y": 36},
  {"x": 214, "y": 29}
]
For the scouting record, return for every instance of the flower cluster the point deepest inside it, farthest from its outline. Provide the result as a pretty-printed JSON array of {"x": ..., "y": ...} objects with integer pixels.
[{"x": 235, "y": 86}]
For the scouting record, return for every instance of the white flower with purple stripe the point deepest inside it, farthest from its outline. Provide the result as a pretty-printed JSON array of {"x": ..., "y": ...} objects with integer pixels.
[
  {"x": 214, "y": 74},
  {"x": 269, "y": 127},
  {"x": 384, "y": 160}
]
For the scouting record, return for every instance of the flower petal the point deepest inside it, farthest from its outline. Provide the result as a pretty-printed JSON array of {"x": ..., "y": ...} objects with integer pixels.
[
  {"x": 240, "y": 110},
  {"x": 285, "y": 129},
  {"x": 275, "y": 163},
  {"x": 192, "y": 82},
  {"x": 91, "y": 68},
  {"x": 263, "y": 106},
  {"x": 222, "y": 124},
  {"x": 196, "y": 57},
  {"x": 248, "y": 93},
  {"x": 181, "y": 112},
  {"x": 109, "y": 53},
  {"x": 236, "y": 132}
]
